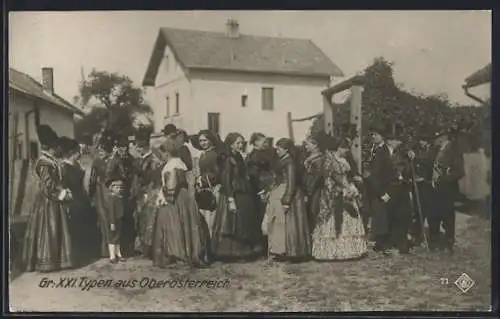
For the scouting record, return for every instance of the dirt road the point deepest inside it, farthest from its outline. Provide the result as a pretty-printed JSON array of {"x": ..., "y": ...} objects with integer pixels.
[{"x": 416, "y": 282}]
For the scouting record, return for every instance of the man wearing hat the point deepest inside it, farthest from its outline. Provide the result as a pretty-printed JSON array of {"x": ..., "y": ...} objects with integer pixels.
[
  {"x": 422, "y": 163},
  {"x": 381, "y": 169},
  {"x": 148, "y": 172},
  {"x": 123, "y": 164},
  {"x": 398, "y": 206},
  {"x": 448, "y": 169}
]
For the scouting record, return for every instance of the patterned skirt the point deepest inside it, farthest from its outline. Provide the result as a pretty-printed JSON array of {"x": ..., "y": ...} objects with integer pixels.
[
  {"x": 145, "y": 222},
  {"x": 350, "y": 243}
]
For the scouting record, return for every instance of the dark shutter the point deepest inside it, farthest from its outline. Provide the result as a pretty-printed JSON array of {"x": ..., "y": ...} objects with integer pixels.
[
  {"x": 213, "y": 122},
  {"x": 268, "y": 99}
]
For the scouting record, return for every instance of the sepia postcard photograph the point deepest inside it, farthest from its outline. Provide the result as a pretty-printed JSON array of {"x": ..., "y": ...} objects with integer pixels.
[{"x": 249, "y": 161}]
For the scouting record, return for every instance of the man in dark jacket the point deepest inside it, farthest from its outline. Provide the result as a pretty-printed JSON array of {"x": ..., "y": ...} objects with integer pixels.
[
  {"x": 124, "y": 165},
  {"x": 380, "y": 172},
  {"x": 448, "y": 169}
]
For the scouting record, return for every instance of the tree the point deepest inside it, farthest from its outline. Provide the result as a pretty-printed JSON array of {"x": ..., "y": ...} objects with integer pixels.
[
  {"x": 385, "y": 102},
  {"x": 113, "y": 103}
]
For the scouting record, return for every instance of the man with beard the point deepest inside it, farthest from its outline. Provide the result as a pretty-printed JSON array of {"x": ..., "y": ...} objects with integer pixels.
[{"x": 123, "y": 164}]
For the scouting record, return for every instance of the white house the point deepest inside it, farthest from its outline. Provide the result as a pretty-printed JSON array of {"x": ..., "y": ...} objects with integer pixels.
[
  {"x": 232, "y": 82},
  {"x": 31, "y": 104}
]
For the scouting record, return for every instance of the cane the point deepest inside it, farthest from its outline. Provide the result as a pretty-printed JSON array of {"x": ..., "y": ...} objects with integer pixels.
[{"x": 419, "y": 208}]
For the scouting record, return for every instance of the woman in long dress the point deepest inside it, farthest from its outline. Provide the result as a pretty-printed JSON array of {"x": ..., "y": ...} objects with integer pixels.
[
  {"x": 98, "y": 192},
  {"x": 236, "y": 233},
  {"x": 208, "y": 182},
  {"x": 286, "y": 221},
  {"x": 314, "y": 180},
  {"x": 339, "y": 233},
  {"x": 180, "y": 232},
  {"x": 83, "y": 218},
  {"x": 47, "y": 242}
]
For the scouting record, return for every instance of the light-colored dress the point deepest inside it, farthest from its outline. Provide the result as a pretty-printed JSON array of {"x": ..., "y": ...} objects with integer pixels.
[
  {"x": 287, "y": 231},
  {"x": 339, "y": 233}
]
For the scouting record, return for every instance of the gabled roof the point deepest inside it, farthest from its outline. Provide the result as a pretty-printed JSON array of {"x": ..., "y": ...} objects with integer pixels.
[
  {"x": 479, "y": 77},
  {"x": 24, "y": 83},
  {"x": 248, "y": 53}
]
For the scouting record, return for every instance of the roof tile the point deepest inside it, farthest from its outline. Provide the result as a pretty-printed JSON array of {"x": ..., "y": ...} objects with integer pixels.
[{"x": 249, "y": 53}]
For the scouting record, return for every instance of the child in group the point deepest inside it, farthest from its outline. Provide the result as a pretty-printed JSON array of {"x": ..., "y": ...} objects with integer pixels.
[{"x": 115, "y": 214}]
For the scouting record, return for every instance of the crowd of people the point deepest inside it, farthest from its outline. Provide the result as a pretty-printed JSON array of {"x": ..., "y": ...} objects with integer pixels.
[{"x": 283, "y": 202}]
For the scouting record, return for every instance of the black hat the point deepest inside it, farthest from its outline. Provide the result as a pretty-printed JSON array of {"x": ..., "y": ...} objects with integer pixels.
[
  {"x": 67, "y": 144},
  {"x": 381, "y": 129},
  {"x": 46, "y": 135},
  {"x": 169, "y": 129},
  {"x": 142, "y": 137},
  {"x": 122, "y": 140}
]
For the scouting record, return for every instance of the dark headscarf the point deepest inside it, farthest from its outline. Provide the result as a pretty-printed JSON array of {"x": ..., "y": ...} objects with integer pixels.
[
  {"x": 47, "y": 136},
  {"x": 67, "y": 145}
]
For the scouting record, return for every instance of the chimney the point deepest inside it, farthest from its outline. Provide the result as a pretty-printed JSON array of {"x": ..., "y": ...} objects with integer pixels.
[
  {"x": 232, "y": 28},
  {"x": 48, "y": 80}
]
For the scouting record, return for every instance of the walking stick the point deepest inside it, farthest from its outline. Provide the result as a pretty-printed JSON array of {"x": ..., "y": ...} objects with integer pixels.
[{"x": 419, "y": 208}]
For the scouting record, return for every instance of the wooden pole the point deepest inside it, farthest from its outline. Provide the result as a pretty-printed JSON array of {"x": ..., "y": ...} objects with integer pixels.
[
  {"x": 290, "y": 125},
  {"x": 328, "y": 114},
  {"x": 356, "y": 101},
  {"x": 12, "y": 164}
]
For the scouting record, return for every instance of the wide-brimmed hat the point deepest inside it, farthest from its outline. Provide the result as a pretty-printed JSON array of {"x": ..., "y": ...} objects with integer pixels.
[
  {"x": 67, "y": 145},
  {"x": 379, "y": 128}
]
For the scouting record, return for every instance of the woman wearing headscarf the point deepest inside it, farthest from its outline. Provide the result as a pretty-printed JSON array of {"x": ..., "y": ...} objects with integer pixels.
[
  {"x": 208, "y": 182},
  {"x": 98, "y": 191},
  {"x": 286, "y": 220},
  {"x": 47, "y": 242},
  {"x": 236, "y": 231},
  {"x": 339, "y": 233},
  {"x": 180, "y": 233},
  {"x": 83, "y": 218}
]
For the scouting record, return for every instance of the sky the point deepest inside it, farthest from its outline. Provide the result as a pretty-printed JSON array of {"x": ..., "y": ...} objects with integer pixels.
[{"x": 432, "y": 51}]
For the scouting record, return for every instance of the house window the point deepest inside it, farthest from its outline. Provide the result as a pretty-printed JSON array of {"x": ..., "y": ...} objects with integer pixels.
[
  {"x": 244, "y": 100},
  {"x": 267, "y": 99},
  {"x": 167, "y": 101},
  {"x": 33, "y": 150},
  {"x": 176, "y": 103},
  {"x": 214, "y": 122}
]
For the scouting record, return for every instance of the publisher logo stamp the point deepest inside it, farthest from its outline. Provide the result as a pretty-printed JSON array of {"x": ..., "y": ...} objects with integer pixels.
[{"x": 464, "y": 282}]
